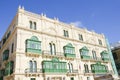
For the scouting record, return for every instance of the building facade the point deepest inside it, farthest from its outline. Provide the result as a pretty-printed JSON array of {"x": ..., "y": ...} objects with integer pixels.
[
  {"x": 116, "y": 55},
  {"x": 39, "y": 48}
]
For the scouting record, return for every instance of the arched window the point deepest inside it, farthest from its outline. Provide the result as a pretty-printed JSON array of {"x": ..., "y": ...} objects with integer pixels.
[
  {"x": 86, "y": 68},
  {"x": 31, "y": 66},
  {"x": 34, "y": 66},
  {"x": 5, "y": 55},
  {"x": 34, "y": 25},
  {"x": 12, "y": 48},
  {"x": 94, "y": 54},
  {"x": 52, "y": 48},
  {"x": 70, "y": 65},
  {"x": 30, "y": 24}
]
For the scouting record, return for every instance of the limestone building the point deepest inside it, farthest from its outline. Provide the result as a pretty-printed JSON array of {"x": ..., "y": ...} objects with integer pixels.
[
  {"x": 116, "y": 55},
  {"x": 35, "y": 47}
]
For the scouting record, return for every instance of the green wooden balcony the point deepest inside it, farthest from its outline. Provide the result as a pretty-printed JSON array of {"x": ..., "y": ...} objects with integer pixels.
[
  {"x": 99, "y": 71},
  {"x": 9, "y": 68},
  {"x": 5, "y": 55},
  {"x": 68, "y": 55},
  {"x": 30, "y": 50},
  {"x": 54, "y": 70},
  {"x": 85, "y": 57},
  {"x": 5, "y": 58},
  {"x": 106, "y": 59}
]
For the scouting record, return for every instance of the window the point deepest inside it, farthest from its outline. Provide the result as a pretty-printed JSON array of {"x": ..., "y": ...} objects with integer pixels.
[
  {"x": 32, "y": 25},
  {"x": 66, "y": 34},
  {"x": 4, "y": 40},
  {"x": 33, "y": 66},
  {"x": 100, "y": 42},
  {"x": 88, "y": 78},
  {"x": 70, "y": 67},
  {"x": 63, "y": 78},
  {"x": 32, "y": 79},
  {"x": 5, "y": 55},
  {"x": 9, "y": 68},
  {"x": 12, "y": 48},
  {"x": 80, "y": 37},
  {"x": 94, "y": 55},
  {"x": 8, "y": 34},
  {"x": 52, "y": 48},
  {"x": 86, "y": 68}
]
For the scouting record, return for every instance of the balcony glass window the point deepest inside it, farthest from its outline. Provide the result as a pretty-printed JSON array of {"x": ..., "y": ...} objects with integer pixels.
[
  {"x": 54, "y": 66},
  {"x": 69, "y": 49},
  {"x": 33, "y": 45},
  {"x": 98, "y": 68},
  {"x": 84, "y": 51},
  {"x": 104, "y": 55}
]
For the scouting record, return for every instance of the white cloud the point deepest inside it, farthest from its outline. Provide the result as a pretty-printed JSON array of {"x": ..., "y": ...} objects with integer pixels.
[{"x": 77, "y": 23}]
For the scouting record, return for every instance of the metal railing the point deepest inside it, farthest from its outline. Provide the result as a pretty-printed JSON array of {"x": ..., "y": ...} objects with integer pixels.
[
  {"x": 96, "y": 58},
  {"x": 72, "y": 71},
  {"x": 45, "y": 52},
  {"x": 87, "y": 71},
  {"x": 28, "y": 70}
]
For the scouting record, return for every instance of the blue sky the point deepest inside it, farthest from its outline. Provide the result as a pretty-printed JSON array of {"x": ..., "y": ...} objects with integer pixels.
[{"x": 102, "y": 16}]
